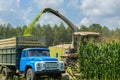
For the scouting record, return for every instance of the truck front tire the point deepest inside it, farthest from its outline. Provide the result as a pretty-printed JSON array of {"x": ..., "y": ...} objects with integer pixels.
[
  {"x": 5, "y": 74},
  {"x": 30, "y": 74}
]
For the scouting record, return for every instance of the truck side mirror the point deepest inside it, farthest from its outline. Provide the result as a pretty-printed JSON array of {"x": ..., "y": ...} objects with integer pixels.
[{"x": 56, "y": 55}]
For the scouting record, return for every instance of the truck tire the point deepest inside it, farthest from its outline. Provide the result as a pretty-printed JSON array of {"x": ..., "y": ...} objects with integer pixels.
[
  {"x": 5, "y": 74},
  {"x": 30, "y": 75}
]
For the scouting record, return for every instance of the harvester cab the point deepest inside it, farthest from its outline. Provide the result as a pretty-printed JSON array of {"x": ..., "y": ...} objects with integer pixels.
[{"x": 85, "y": 38}]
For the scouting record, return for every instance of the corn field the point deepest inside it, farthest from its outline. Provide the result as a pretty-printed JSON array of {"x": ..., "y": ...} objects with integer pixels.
[{"x": 100, "y": 61}]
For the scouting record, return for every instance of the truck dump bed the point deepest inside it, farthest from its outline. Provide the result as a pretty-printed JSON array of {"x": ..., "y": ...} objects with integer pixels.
[{"x": 11, "y": 48}]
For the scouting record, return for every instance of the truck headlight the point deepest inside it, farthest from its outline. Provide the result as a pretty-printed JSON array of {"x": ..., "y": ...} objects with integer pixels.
[
  {"x": 61, "y": 66},
  {"x": 38, "y": 65}
]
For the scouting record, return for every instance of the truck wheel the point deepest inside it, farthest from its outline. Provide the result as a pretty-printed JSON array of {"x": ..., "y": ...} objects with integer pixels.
[
  {"x": 30, "y": 74},
  {"x": 5, "y": 74}
]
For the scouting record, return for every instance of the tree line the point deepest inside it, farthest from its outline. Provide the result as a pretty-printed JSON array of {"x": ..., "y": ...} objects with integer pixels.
[{"x": 58, "y": 34}]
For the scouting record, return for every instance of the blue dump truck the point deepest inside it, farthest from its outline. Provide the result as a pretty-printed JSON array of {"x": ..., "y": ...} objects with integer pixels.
[{"x": 26, "y": 55}]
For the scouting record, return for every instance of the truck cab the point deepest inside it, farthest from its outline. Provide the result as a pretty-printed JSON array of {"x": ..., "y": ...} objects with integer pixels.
[{"x": 39, "y": 62}]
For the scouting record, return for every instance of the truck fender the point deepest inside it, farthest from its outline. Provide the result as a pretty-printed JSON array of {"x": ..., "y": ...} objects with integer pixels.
[{"x": 30, "y": 65}]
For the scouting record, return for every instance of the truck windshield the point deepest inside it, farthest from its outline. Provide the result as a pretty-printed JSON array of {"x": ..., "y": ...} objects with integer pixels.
[{"x": 38, "y": 53}]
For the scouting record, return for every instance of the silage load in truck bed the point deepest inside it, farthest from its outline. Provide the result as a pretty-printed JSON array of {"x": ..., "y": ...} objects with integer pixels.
[
  {"x": 25, "y": 41},
  {"x": 11, "y": 48}
]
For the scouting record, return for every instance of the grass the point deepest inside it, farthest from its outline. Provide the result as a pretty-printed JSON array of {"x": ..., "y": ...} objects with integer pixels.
[{"x": 63, "y": 78}]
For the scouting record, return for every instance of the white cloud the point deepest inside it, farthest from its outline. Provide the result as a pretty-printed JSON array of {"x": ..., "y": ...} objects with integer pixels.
[
  {"x": 6, "y": 5},
  {"x": 18, "y": 3},
  {"x": 25, "y": 15},
  {"x": 104, "y": 12},
  {"x": 8, "y": 8},
  {"x": 49, "y": 19},
  {"x": 99, "y": 7},
  {"x": 2, "y": 22},
  {"x": 48, "y": 3},
  {"x": 11, "y": 8},
  {"x": 114, "y": 21},
  {"x": 74, "y": 3},
  {"x": 84, "y": 21}
]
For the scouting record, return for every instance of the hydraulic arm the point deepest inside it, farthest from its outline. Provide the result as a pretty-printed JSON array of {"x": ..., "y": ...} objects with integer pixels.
[{"x": 29, "y": 29}]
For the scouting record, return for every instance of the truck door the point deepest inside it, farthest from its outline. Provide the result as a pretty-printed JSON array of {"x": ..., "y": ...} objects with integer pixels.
[{"x": 23, "y": 61}]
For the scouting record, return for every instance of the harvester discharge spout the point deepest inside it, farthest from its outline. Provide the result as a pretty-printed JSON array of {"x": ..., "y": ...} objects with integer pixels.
[{"x": 30, "y": 27}]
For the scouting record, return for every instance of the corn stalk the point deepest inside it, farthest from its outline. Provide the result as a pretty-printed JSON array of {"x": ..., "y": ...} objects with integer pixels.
[{"x": 100, "y": 61}]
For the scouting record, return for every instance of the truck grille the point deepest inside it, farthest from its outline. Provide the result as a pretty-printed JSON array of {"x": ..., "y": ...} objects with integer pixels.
[{"x": 51, "y": 66}]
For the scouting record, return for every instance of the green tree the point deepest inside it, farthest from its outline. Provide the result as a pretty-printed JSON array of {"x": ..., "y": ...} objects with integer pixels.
[
  {"x": 83, "y": 28},
  {"x": 47, "y": 34},
  {"x": 95, "y": 28},
  {"x": 56, "y": 35},
  {"x": 105, "y": 31},
  {"x": 69, "y": 35}
]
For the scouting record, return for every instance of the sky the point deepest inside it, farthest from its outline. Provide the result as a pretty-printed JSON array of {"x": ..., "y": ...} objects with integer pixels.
[{"x": 79, "y": 12}]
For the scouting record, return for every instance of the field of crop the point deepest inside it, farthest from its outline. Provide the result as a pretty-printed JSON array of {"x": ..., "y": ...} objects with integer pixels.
[{"x": 100, "y": 61}]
